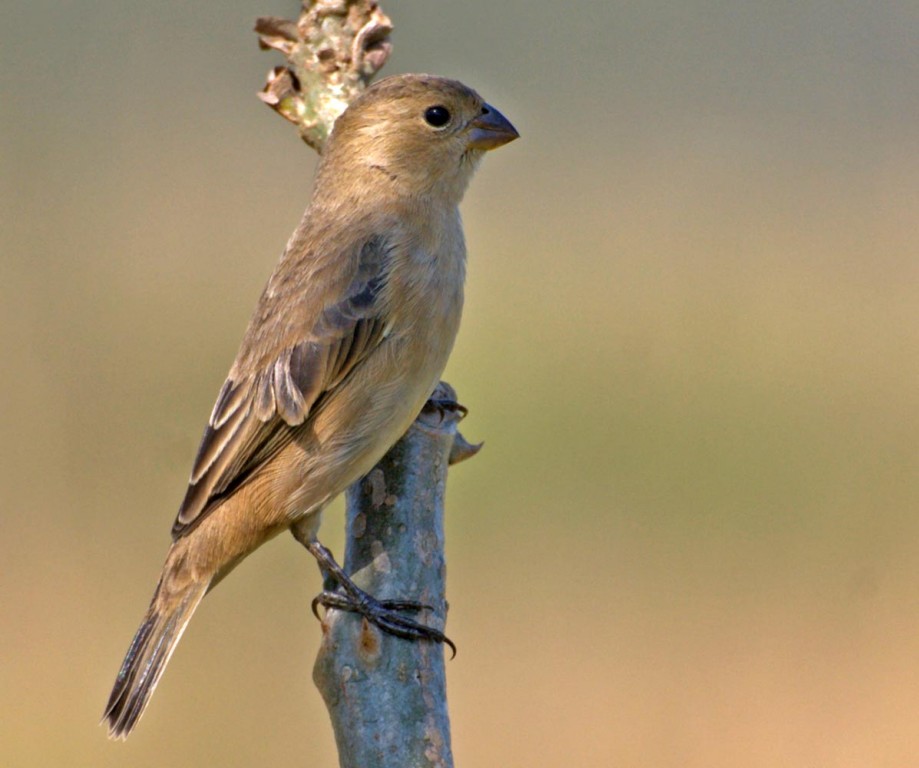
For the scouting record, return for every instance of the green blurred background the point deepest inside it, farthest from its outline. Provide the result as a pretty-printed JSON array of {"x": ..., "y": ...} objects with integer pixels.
[{"x": 690, "y": 345}]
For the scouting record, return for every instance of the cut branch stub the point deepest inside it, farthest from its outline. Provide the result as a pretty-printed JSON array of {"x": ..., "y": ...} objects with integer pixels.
[{"x": 333, "y": 51}]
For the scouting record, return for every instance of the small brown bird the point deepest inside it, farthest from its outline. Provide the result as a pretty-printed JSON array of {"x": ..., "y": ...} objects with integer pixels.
[{"x": 347, "y": 342}]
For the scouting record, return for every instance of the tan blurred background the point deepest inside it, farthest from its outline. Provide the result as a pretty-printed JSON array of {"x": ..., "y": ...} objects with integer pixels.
[{"x": 690, "y": 345}]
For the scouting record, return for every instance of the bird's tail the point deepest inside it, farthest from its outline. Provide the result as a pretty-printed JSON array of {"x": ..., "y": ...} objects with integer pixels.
[{"x": 156, "y": 639}]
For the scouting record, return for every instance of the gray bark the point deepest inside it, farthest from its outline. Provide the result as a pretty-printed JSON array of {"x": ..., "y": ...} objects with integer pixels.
[{"x": 387, "y": 696}]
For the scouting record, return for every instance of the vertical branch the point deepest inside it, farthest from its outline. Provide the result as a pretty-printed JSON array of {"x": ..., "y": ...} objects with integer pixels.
[{"x": 386, "y": 696}]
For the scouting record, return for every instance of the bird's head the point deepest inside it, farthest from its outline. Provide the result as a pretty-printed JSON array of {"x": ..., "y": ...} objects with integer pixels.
[{"x": 416, "y": 135}]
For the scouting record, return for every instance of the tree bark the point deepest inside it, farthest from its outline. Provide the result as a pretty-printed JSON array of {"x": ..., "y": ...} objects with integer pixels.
[{"x": 387, "y": 696}]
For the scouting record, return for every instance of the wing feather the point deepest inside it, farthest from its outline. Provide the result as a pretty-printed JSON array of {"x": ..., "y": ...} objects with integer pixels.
[
  {"x": 215, "y": 442},
  {"x": 255, "y": 416}
]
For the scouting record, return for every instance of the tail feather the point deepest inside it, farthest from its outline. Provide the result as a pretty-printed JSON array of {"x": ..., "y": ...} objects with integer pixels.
[{"x": 147, "y": 657}]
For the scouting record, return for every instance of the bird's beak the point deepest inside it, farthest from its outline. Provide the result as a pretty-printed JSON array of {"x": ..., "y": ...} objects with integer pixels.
[{"x": 491, "y": 129}]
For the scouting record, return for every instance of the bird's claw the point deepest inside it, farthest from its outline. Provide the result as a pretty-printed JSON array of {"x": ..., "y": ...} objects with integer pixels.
[
  {"x": 328, "y": 599},
  {"x": 447, "y": 405},
  {"x": 384, "y": 614}
]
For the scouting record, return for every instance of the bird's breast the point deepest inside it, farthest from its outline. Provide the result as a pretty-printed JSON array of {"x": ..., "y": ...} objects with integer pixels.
[{"x": 380, "y": 398}]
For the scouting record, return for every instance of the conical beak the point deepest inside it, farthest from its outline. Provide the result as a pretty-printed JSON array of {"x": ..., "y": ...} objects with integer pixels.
[{"x": 491, "y": 129}]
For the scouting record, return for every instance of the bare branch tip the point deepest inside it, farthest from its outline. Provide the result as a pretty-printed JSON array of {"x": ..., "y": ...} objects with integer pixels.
[
  {"x": 462, "y": 449},
  {"x": 334, "y": 48}
]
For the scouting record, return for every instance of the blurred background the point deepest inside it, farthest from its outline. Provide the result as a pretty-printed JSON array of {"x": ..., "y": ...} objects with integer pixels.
[{"x": 690, "y": 346}]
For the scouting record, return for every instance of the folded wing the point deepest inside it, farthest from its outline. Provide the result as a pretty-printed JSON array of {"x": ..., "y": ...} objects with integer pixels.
[{"x": 256, "y": 415}]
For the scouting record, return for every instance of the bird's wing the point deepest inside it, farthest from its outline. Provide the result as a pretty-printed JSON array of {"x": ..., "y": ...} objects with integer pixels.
[{"x": 256, "y": 413}]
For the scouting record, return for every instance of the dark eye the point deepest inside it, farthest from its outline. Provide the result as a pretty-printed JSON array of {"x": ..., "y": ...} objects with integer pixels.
[{"x": 437, "y": 116}]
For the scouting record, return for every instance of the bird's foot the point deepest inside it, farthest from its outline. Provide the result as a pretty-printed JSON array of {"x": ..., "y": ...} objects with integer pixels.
[
  {"x": 445, "y": 405},
  {"x": 384, "y": 614}
]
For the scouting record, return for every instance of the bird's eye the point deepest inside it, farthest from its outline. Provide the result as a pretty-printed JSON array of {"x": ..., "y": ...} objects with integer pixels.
[{"x": 437, "y": 116}]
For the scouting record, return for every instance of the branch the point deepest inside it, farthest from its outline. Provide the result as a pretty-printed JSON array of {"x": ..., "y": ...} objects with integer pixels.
[
  {"x": 386, "y": 696},
  {"x": 333, "y": 51}
]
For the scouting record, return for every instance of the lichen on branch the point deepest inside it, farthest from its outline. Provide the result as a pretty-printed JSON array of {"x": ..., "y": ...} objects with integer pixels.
[{"x": 333, "y": 51}]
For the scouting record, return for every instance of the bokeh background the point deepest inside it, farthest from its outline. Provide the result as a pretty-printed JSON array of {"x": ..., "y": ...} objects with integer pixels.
[{"x": 690, "y": 345}]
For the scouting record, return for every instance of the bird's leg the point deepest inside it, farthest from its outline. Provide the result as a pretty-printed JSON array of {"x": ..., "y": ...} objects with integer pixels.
[{"x": 383, "y": 614}]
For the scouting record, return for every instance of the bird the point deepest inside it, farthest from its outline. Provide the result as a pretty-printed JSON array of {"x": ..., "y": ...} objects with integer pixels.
[{"x": 347, "y": 341}]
